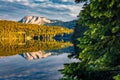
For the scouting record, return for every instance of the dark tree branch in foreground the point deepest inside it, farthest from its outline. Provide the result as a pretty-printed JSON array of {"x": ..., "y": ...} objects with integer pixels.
[{"x": 77, "y": 1}]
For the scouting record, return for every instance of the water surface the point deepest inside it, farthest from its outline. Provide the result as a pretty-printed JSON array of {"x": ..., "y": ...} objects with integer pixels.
[{"x": 34, "y": 59}]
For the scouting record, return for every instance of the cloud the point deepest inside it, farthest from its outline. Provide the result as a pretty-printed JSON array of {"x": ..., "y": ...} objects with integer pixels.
[{"x": 64, "y": 10}]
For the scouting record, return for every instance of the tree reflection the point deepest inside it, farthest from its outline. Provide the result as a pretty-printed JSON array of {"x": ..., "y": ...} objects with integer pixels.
[{"x": 11, "y": 45}]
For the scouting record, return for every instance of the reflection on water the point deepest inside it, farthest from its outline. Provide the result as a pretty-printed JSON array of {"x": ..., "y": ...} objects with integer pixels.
[
  {"x": 11, "y": 46},
  {"x": 35, "y": 55},
  {"x": 26, "y": 51},
  {"x": 32, "y": 61},
  {"x": 17, "y": 68}
]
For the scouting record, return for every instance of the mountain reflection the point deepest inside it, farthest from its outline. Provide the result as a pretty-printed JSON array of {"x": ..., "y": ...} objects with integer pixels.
[
  {"x": 35, "y": 55},
  {"x": 31, "y": 47}
]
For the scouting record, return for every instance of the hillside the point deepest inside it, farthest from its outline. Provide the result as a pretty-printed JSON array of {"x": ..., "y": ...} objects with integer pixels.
[
  {"x": 68, "y": 24},
  {"x": 15, "y": 29}
]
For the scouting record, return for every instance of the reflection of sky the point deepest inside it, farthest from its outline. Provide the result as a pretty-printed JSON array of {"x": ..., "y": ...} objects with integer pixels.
[
  {"x": 52, "y": 9},
  {"x": 16, "y": 67}
]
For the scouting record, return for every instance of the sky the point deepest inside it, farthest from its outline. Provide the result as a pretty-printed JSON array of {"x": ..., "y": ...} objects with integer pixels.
[{"x": 64, "y": 10}]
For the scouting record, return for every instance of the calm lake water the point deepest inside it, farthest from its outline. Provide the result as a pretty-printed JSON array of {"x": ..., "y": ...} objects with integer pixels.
[{"x": 33, "y": 59}]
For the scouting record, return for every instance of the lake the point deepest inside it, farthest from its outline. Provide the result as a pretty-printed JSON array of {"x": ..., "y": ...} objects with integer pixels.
[{"x": 33, "y": 59}]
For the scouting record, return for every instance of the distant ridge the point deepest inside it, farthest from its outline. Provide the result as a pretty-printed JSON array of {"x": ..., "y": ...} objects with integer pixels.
[{"x": 68, "y": 24}]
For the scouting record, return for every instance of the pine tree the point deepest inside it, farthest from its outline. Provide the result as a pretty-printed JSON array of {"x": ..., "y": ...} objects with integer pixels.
[{"x": 100, "y": 54}]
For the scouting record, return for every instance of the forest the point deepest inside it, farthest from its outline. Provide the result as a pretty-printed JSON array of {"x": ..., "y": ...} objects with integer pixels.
[
  {"x": 97, "y": 33},
  {"x": 13, "y": 29},
  {"x": 16, "y": 38}
]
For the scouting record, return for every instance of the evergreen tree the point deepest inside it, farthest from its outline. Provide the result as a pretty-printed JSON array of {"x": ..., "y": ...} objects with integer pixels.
[{"x": 100, "y": 44}]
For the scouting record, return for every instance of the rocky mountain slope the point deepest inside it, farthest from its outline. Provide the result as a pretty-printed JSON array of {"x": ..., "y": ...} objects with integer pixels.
[
  {"x": 34, "y": 20},
  {"x": 44, "y": 21}
]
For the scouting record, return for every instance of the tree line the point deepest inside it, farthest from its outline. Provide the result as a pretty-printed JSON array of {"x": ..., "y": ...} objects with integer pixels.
[{"x": 10, "y": 27}]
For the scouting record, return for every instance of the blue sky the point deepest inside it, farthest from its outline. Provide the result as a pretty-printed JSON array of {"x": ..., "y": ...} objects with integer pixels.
[{"x": 64, "y": 10}]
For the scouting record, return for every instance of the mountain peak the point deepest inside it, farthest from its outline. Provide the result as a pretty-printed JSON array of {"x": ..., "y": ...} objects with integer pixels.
[
  {"x": 35, "y": 20},
  {"x": 44, "y": 21}
]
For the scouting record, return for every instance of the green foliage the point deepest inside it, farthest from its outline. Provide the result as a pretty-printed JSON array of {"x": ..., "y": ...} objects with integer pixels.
[
  {"x": 100, "y": 43},
  {"x": 116, "y": 77}
]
